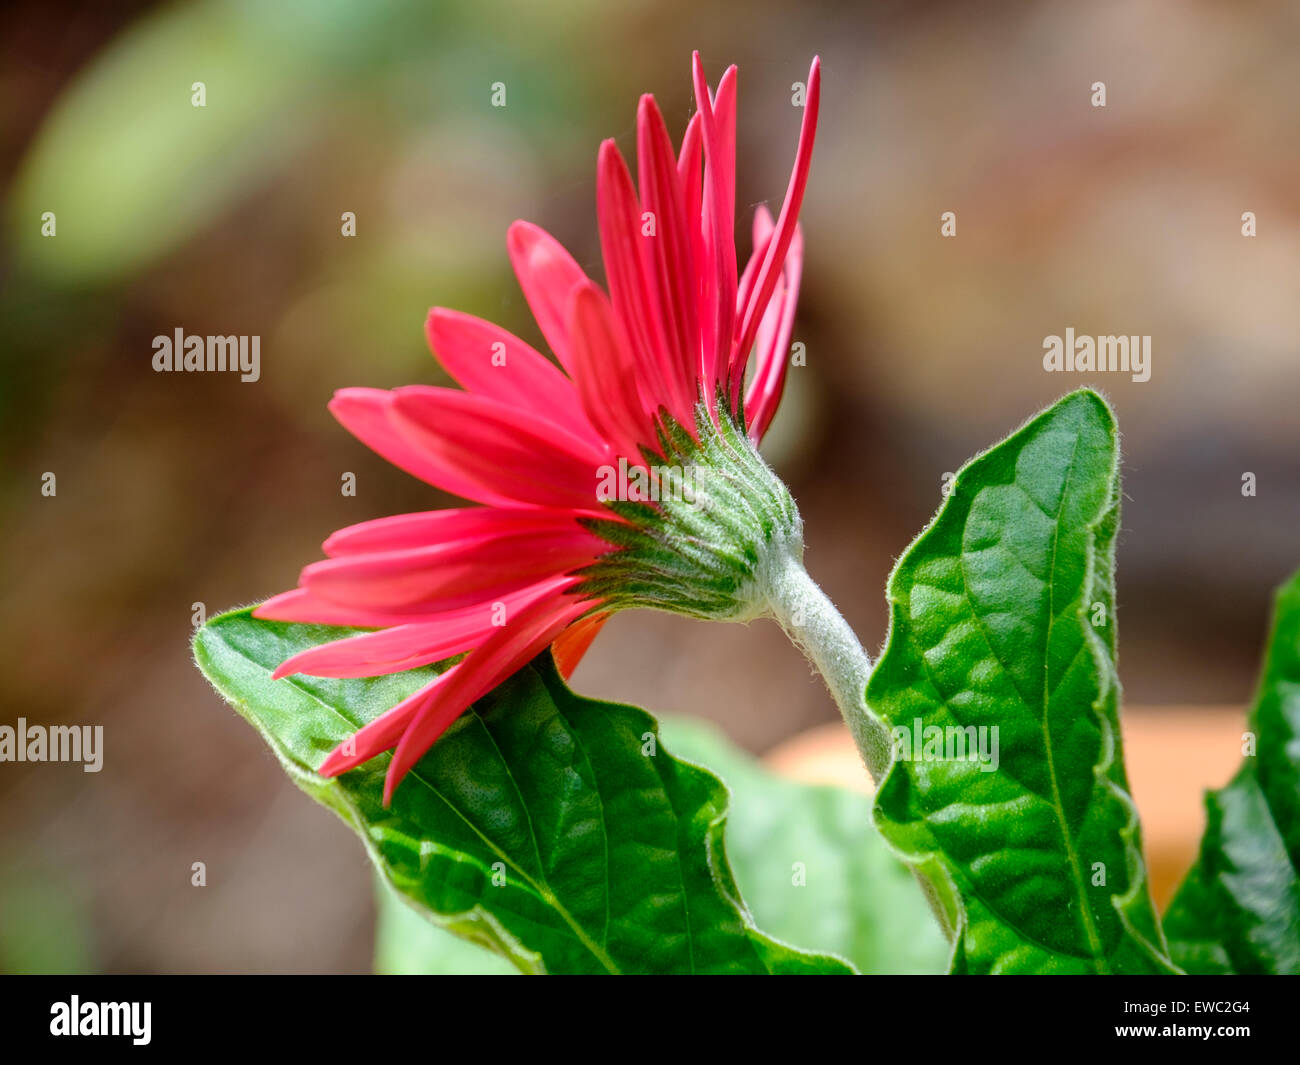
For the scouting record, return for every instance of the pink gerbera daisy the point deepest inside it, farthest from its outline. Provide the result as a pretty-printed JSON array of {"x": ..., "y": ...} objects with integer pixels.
[{"x": 651, "y": 380}]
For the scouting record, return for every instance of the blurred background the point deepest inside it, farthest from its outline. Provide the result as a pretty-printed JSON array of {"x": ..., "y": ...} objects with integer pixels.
[{"x": 176, "y": 489}]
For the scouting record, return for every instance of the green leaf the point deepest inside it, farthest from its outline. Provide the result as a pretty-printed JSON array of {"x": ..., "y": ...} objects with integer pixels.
[
  {"x": 853, "y": 898},
  {"x": 536, "y": 826},
  {"x": 1002, "y": 620},
  {"x": 852, "y": 895},
  {"x": 1238, "y": 911},
  {"x": 408, "y": 944}
]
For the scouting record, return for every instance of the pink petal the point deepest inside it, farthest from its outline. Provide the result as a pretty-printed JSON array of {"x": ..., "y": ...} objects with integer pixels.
[
  {"x": 426, "y": 528},
  {"x": 494, "y": 452},
  {"x": 499, "y": 656},
  {"x": 724, "y": 115},
  {"x": 427, "y": 580},
  {"x": 389, "y": 650},
  {"x": 717, "y": 313},
  {"x": 774, "y": 259},
  {"x": 773, "y": 341},
  {"x": 547, "y": 274},
  {"x": 606, "y": 375},
  {"x": 669, "y": 255},
  {"x": 383, "y": 732},
  {"x": 408, "y": 646},
  {"x": 367, "y": 414},
  {"x": 762, "y": 238},
  {"x": 306, "y": 607},
  {"x": 689, "y": 161},
  {"x": 487, "y": 359},
  {"x": 626, "y": 269}
]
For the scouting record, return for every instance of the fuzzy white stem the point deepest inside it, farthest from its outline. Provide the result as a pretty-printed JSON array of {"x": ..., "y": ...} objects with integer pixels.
[
  {"x": 811, "y": 621},
  {"x": 813, "y": 624}
]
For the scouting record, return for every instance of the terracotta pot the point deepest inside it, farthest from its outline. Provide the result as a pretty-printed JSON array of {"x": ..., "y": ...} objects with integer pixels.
[{"x": 1173, "y": 755}]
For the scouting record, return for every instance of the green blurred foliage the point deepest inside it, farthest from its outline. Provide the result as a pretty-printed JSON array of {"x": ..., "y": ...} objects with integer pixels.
[
  {"x": 131, "y": 167},
  {"x": 44, "y": 923}
]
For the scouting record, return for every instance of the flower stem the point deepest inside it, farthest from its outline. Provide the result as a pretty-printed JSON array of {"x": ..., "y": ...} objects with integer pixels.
[{"x": 813, "y": 624}]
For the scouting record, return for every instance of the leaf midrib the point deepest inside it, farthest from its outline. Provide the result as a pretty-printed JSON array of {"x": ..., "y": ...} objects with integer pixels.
[
  {"x": 1085, "y": 910},
  {"x": 1089, "y": 927},
  {"x": 597, "y": 950}
]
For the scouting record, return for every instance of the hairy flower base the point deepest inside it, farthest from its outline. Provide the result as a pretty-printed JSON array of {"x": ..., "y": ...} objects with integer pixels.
[
  {"x": 701, "y": 553},
  {"x": 730, "y": 550}
]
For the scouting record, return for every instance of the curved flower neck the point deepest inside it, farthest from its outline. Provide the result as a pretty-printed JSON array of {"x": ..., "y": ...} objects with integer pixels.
[{"x": 722, "y": 540}]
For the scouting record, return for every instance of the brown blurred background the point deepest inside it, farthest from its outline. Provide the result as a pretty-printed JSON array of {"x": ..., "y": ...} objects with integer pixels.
[{"x": 181, "y": 489}]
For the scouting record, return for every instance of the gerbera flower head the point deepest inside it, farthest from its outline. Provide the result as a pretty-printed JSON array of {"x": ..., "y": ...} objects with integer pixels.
[{"x": 628, "y": 475}]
